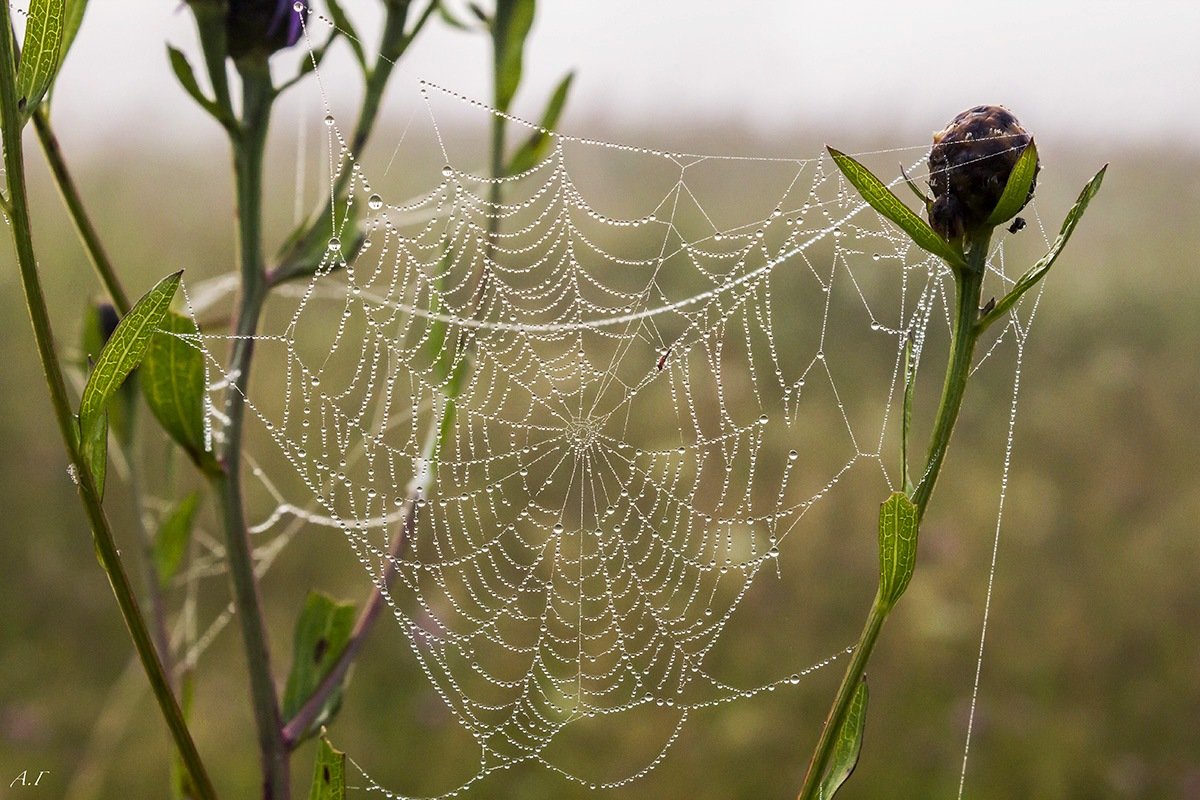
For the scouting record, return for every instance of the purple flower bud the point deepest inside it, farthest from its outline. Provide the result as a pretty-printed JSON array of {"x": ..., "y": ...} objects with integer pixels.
[
  {"x": 969, "y": 166},
  {"x": 263, "y": 26}
]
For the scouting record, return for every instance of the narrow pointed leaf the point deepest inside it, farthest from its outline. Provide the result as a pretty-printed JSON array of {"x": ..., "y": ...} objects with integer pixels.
[
  {"x": 322, "y": 631},
  {"x": 172, "y": 380},
  {"x": 329, "y": 777},
  {"x": 849, "y": 743},
  {"x": 924, "y": 198},
  {"x": 187, "y": 79},
  {"x": 40, "y": 53},
  {"x": 1016, "y": 191},
  {"x": 73, "y": 12},
  {"x": 171, "y": 541},
  {"x": 897, "y": 547},
  {"x": 534, "y": 148},
  {"x": 449, "y": 18},
  {"x": 100, "y": 320},
  {"x": 347, "y": 30},
  {"x": 881, "y": 198},
  {"x": 120, "y": 356},
  {"x": 511, "y": 26},
  {"x": 1039, "y": 270}
]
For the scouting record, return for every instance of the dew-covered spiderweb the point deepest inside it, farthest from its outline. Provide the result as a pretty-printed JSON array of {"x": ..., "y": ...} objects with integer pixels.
[{"x": 568, "y": 420}]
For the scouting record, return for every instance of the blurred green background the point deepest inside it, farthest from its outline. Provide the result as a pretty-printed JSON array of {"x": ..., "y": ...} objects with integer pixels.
[{"x": 1089, "y": 682}]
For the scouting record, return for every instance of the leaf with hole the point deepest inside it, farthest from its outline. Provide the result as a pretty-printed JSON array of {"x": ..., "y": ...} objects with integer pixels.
[
  {"x": 322, "y": 631},
  {"x": 39, "y": 53},
  {"x": 1016, "y": 190},
  {"x": 329, "y": 776},
  {"x": 897, "y": 547},
  {"x": 881, "y": 198}
]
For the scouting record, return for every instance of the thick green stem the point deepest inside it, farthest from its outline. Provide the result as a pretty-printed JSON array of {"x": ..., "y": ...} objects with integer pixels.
[
  {"x": 39, "y": 317},
  {"x": 962, "y": 348},
  {"x": 248, "y": 150},
  {"x": 958, "y": 369},
  {"x": 83, "y": 223}
]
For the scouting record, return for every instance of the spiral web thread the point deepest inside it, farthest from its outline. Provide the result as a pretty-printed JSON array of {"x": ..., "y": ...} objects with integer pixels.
[{"x": 647, "y": 409}]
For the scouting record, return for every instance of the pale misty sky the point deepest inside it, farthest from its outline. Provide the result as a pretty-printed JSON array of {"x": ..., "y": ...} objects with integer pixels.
[{"x": 1111, "y": 71}]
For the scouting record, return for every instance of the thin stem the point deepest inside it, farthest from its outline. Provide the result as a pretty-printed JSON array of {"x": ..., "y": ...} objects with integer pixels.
[
  {"x": 74, "y": 203},
  {"x": 154, "y": 593},
  {"x": 958, "y": 369},
  {"x": 39, "y": 317},
  {"x": 312, "y": 707},
  {"x": 841, "y": 701},
  {"x": 393, "y": 43},
  {"x": 248, "y": 151}
]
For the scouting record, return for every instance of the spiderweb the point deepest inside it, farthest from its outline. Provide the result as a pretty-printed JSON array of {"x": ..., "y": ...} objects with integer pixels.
[{"x": 565, "y": 429}]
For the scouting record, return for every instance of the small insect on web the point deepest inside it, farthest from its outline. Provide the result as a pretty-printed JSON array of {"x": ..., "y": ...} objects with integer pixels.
[{"x": 595, "y": 452}]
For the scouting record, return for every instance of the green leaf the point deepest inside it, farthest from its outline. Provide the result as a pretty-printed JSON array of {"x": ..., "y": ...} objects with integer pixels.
[
  {"x": 322, "y": 631},
  {"x": 73, "y": 20},
  {"x": 329, "y": 777},
  {"x": 94, "y": 449},
  {"x": 849, "y": 743},
  {"x": 40, "y": 53},
  {"x": 187, "y": 79},
  {"x": 924, "y": 198},
  {"x": 346, "y": 27},
  {"x": 122, "y": 353},
  {"x": 172, "y": 379},
  {"x": 535, "y": 147},
  {"x": 449, "y": 18},
  {"x": 1039, "y": 270},
  {"x": 897, "y": 547},
  {"x": 306, "y": 249},
  {"x": 885, "y": 202},
  {"x": 100, "y": 320},
  {"x": 1016, "y": 191},
  {"x": 511, "y": 26},
  {"x": 171, "y": 541}
]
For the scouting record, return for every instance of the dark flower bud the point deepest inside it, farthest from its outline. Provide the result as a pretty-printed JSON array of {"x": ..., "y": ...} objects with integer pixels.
[
  {"x": 969, "y": 167},
  {"x": 263, "y": 26},
  {"x": 109, "y": 319}
]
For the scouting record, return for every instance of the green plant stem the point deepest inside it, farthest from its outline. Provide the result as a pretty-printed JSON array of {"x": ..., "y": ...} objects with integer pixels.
[
  {"x": 962, "y": 347},
  {"x": 39, "y": 317},
  {"x": 248, "y": 150},
  {"x": 393, "y": 43},
  {"x": 154, "y": 594},
  {"x": 74, "y": 203},
  {"x": 958, "y": 369}
]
